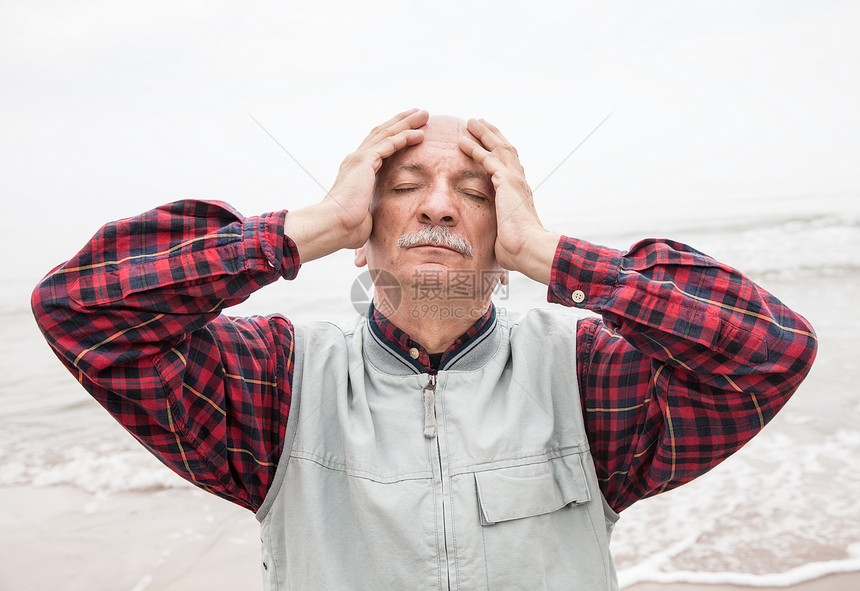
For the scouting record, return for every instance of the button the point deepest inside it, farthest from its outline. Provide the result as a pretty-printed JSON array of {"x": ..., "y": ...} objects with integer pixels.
[
  {"x": 578, "y": 296},
  {"x": 413, "y": 353}
]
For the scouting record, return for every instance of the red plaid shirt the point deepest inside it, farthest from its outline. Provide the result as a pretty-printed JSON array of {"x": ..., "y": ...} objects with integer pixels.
[{"x": 688, "y": 360}]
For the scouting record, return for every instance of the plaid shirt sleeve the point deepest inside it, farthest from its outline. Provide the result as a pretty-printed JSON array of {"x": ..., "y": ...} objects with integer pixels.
[
  {"x": 135, "y": 317},
  {"x": 688, "y": 361}
]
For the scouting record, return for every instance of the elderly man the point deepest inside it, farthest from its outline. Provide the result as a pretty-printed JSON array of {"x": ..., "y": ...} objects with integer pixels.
[{"x": 439, "y": 447}]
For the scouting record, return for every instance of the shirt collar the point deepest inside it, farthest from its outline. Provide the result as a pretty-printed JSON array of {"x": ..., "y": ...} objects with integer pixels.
[{"x": 412, "y": 352}]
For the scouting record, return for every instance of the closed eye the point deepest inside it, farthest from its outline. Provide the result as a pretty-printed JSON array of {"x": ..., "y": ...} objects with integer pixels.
[{"x": 476, "y": 195}]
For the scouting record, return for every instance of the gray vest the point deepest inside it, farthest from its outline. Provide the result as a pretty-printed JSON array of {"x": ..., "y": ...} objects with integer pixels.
[{"x": 483, "y": 482}]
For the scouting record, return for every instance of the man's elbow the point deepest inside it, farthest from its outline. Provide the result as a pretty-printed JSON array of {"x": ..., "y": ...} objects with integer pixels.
[
  {"x": 50, "y": 306},
  {"x": 800, "y": 347}
]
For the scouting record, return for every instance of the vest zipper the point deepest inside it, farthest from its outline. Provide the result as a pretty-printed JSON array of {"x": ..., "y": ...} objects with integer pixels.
[
  {"x": 444, "y": 519},
  {"x": 430, "y": 408},
  {"x": 430, "y": 432}
]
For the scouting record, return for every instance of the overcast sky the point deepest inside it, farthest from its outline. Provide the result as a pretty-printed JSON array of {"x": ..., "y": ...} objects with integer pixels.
[{"x": 110, "y": 108}]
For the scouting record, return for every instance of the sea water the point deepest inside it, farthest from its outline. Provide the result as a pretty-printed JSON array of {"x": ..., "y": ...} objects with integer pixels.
[{"x": 782, "y": 509}]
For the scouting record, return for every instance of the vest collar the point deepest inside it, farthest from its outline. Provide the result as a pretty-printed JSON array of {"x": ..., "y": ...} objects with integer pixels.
[{"x": 390, "y": 349}]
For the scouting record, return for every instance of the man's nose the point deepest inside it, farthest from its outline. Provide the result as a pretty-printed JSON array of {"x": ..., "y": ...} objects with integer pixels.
[{"x": 439, "y": 207}]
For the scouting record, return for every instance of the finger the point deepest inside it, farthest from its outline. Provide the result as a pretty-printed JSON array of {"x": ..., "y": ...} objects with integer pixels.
[
  {"x": 411, "y": 119},
  {"x": 400, "y": 117},
  {"x": 494, "y": 141},
  {"x": 394, "y": 143},
  {"x": 481, "y": 155},
  {"x": 494, "y": 130},
  {"x": 501, "y": 174},
  {"x": 397, "y": 119}
]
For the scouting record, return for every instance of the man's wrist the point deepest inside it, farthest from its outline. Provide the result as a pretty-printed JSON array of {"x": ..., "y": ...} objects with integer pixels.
[
  {"x": 538, "y": 256},
  {"x": 314, "y": 231}
]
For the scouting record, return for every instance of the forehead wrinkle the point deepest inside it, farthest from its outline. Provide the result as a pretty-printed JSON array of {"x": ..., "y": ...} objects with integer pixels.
[
  {"x": 473, "y": 174},
  {"x": 410, "y": 167}
]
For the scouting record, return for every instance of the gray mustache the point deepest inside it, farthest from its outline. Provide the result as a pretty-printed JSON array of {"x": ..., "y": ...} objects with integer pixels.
[{"x": 437, "y": 236}]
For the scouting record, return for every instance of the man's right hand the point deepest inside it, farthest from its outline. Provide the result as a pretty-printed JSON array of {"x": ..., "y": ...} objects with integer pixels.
[{"x": 342, "y": 219}]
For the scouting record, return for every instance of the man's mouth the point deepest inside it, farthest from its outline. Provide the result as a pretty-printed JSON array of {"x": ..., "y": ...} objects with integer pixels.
[{"x": 440, "y": 246}]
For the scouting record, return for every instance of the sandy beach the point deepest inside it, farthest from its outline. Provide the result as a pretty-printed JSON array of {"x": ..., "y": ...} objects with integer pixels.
[
  {"x": 63, "y": 538},
  {"x": 172, "y": 540},
  {"x": 841, "y": 582}
]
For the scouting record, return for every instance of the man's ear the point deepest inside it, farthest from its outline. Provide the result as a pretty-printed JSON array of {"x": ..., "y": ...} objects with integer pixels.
[{"x": 360, "y": 257}]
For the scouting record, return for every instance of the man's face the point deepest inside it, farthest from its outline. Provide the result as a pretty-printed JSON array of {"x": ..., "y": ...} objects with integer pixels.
[{"x": 433, "y": 186}]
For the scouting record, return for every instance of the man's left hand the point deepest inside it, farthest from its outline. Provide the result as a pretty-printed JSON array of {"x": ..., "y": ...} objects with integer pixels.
[{"x": 522, "y": 243}]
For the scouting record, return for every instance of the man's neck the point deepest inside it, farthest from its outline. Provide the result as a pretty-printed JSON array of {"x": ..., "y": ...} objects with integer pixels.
[{"x": 436, "y": 324}]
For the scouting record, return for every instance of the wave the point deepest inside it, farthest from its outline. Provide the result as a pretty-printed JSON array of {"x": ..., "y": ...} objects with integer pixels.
[
  {"x": 770, "y": 515},
  {"x": 794, "y": 576},
  {"x": 92, "y": 470},
  {"x": 773, "y": 247}
]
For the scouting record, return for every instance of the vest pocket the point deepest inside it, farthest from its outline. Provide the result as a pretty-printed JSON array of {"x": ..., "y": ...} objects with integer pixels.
[
  {"x": 538, "y": 526},
  {"x": 505, "y": 494}
]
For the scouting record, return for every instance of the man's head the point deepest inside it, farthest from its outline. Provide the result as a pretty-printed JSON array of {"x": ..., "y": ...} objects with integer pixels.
[{"x": 434, "y": 213}]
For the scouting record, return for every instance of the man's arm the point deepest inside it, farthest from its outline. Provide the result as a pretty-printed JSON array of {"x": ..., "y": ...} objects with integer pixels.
[
  {"x": 690, "y": 358},
  {"x": 136, "y": 317},
  {"x": 689, "y": 361}
]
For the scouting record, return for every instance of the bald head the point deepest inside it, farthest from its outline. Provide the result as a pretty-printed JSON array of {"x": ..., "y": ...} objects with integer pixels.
[{"x": 444, "y": 128}]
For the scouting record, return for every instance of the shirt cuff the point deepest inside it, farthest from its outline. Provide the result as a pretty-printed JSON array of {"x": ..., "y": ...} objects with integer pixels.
[
  {"x": 266, "y": 244},
  {"x": 583, "y": 275}
]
